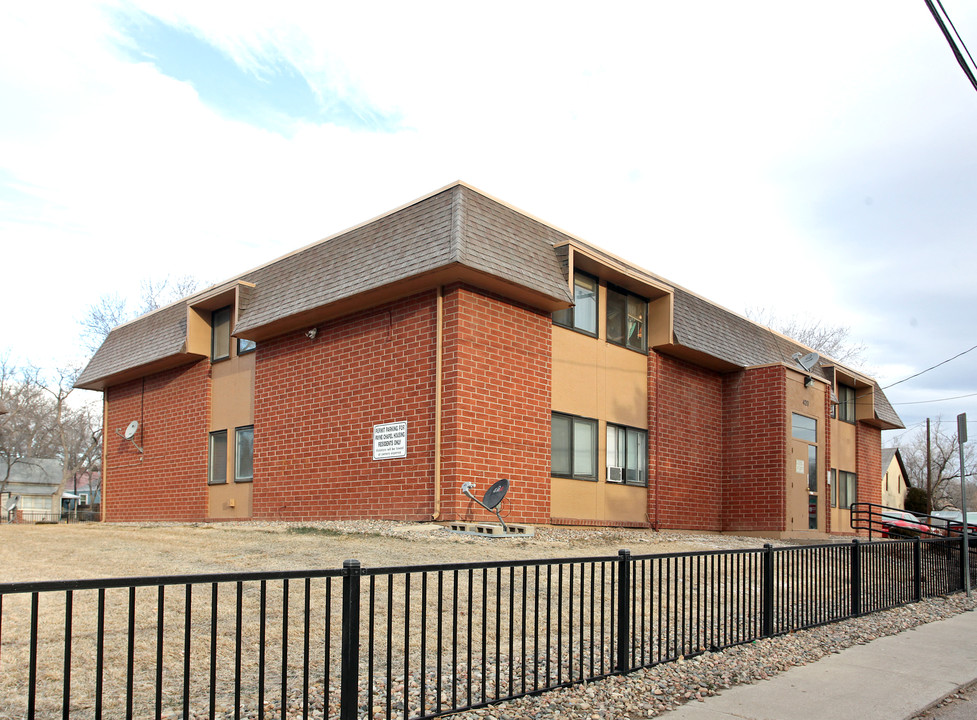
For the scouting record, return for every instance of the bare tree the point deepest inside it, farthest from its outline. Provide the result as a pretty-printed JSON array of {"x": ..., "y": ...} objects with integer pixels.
[
  {"x": 834, "y": 341},
  {"x": 109, "y": 312},
  {"x": 157, "y": 293},
  {"x": 39, "y": 422},
  {"x": 944, "y": 464},
  {"x": 113, "y": 310}
]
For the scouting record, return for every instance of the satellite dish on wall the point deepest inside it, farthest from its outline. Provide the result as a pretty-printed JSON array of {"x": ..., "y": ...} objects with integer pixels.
[
  {"x": 807, "y": 361},
  {"x": 129, "y": 433}
]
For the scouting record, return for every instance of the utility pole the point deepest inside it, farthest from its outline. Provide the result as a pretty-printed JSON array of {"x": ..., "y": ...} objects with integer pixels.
[
  {"x": 961, "y": 439},
  {"x": 929, "y": 469}
]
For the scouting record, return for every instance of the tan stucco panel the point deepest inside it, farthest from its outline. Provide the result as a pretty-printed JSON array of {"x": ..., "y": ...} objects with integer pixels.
[
  {"x": 232, "y": 393},
  {"x": 578, "y": 387},
  {"x": 843, "y": 448},
  {"x": 598, "y": 501},
  {"x": 595, "y": 379},
  {"x": 232, "y": 406},
  {"x": 230, "y": 501}
]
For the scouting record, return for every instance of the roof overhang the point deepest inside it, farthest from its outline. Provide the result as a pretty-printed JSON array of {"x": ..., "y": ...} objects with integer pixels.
[
  {"x": 454, "y": 273},
  {"x": 134, "y": 373}
]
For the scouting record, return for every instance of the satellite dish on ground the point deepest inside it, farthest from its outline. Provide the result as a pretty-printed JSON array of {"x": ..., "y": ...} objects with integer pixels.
[
  {"x": 807, "y": 361},
  {"x": 493, "y": 496}
]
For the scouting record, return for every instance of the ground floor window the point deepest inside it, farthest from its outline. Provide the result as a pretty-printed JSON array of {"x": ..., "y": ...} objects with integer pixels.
[
  {"x": 573, "y": 447},
  {"x": 627, "y": 455},
  {"x": 218, "y": 458},
  {"x": 844, "y": 489},
  {"x": 244, "y": 453}
]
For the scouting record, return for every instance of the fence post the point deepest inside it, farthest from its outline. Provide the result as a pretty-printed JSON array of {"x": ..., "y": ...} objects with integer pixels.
[
  {"x": 918, "y": 569},
  {"x": 623, "y": 610},
  {"x": 767, "y": 618},
  {"x": 856, "y": 578},
  {"x": 964, "y": 562},
  {"x": 349, "y": 676}
]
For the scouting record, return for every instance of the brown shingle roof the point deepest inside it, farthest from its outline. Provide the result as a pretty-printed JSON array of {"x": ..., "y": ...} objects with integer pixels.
[
  {"x": 457, "y": 226},
  {"x": 151, "y": 338}
]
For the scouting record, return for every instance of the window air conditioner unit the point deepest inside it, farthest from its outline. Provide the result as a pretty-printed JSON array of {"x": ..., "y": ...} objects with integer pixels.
[{"x": 615, "y": 474}]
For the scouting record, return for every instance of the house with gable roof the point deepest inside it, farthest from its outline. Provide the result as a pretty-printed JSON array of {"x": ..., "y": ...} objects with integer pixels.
[{"x": 457, "y": 339}]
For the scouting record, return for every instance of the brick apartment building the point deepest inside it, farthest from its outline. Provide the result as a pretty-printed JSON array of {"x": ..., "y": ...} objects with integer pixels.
[{"x": 457, "y": 339}]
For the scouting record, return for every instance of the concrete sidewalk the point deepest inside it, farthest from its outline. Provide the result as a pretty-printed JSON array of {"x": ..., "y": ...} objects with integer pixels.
[{"x": 892, "y": 678}]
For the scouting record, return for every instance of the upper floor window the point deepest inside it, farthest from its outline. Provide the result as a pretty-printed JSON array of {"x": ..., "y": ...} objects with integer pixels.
[
  {"x": 627, "y": 319},
  {"x": 627, "y": 455},
  {"x": 846, "y": 403},
  {"x": 245, "y": 346},
  {"x": 583, "y": 315},
  {"x": 220, "y": 337}
]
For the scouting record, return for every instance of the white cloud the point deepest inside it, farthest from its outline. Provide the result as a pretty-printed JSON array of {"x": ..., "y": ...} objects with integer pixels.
[{"x": 729, "y": 148}]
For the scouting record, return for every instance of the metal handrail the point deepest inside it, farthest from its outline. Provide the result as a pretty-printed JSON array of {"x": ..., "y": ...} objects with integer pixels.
[{"x": 870, "y": 516}]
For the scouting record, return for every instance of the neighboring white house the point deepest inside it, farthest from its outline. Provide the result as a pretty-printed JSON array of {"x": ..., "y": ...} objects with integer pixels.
[
  {"x": 894, "y": 483},
  {"x": 33, "y": 491}
]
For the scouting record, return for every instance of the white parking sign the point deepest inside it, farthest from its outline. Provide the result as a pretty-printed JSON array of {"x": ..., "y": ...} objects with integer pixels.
[{"x": 390, "y": 441}]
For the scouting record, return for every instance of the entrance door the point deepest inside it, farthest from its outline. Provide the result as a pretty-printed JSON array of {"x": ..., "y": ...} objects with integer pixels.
[{"x": 803, "y": 496}]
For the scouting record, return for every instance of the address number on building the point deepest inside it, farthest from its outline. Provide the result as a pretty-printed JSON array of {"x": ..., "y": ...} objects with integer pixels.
[{"x": 390, "y": 441}]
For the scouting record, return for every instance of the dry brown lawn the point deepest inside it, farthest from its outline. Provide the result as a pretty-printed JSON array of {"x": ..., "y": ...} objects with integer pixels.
[
  {"x": 97, "y": 550},
  {"x": 53, "y": 552}
]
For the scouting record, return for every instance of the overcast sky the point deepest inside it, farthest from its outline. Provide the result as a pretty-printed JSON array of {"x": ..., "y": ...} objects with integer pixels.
[{"x": 813, "y": 159}]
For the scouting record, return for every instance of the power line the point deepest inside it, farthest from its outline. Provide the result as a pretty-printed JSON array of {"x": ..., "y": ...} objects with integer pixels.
[
  {"x": 899, "y": 382},
  {"x": 951, "y": 41},
  {"x": 924, "y": 402}
]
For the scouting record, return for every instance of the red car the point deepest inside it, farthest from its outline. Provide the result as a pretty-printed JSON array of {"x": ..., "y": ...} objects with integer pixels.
[{"x": 899, "y": 523}]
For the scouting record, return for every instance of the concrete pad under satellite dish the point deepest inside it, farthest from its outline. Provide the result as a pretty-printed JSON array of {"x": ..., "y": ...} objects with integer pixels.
[{"x": 807, "y": 361}]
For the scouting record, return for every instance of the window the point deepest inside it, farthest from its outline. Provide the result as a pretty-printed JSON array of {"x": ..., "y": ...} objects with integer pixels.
[
  {"x": 244, "y": 453},
  {"x": 803, "y": 428},
  {"x": 245, "y": 346},
  {"x": 220, "y": 338},
  {"x": 847, "y": 489},
  {"x": 627, "y": 319},
  {"x": 627, "y": 455},
  {"x": 218, "y": 458},
  {"x": 834, "y": 488},
  {"x": 583, "y": 315},
  {"x": 574, "y": 447},
  {"x": 846, "y": 403}
]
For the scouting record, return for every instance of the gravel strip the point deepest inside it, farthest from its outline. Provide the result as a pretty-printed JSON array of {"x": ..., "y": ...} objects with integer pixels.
[{"x": 652, "y": 692}]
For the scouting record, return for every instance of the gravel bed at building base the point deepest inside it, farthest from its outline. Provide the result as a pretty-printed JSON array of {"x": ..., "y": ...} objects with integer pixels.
[{"x": 651, "y": 692}]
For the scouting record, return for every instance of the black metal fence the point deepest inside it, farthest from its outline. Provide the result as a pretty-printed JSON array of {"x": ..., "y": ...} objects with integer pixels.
[
  {"x": 44, "y": 517},
  {"x": 421, "y": 641}
]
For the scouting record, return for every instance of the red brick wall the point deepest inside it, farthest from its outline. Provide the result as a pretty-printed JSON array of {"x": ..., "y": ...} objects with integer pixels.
[
  {"x": 316, "y": 402},
  {"x": 496, "y": 405},
  {"x": 868, "y": 463},
  {"x": 168, "y": 481},
  {"x": 755, "y": 447},
  {"x": 685, "y": 445}
]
